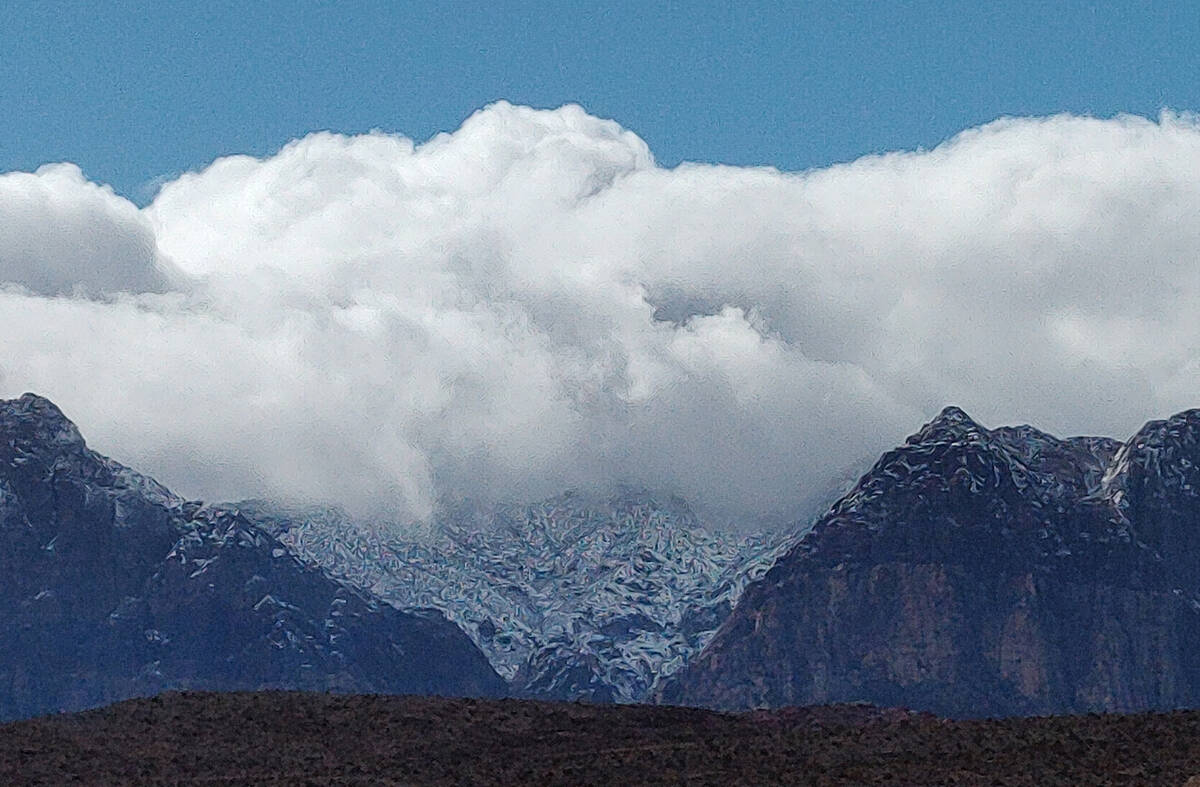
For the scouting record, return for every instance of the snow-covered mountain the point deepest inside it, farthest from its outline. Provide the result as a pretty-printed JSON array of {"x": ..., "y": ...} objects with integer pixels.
[{"x": 575, "y": 597}]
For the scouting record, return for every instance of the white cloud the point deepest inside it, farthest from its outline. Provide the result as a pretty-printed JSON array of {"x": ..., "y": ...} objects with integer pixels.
[
  {"x": 60, "y": 234},
  {"x": 531, "y": 303}
]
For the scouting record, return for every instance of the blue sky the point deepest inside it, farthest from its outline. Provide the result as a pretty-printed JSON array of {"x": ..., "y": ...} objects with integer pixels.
[{"x": 133, "y": 92}]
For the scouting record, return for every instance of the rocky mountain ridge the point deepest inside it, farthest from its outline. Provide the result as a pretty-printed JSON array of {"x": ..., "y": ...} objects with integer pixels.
[
  {"x": 114, "y": 587},
  {"x": 975, "y": 572},
  {"x": 970, "y": 571}
]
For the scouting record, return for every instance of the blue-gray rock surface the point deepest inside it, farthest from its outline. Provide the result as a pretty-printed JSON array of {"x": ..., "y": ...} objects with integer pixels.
[
  {"x": 113, "y": 587},
  {"x": 983, "y": 572}
]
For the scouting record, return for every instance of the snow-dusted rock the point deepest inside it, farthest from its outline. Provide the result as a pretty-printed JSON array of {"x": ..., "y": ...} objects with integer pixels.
[
  {"x": 979, "y": 571},
  {"x": 576, "y": 597}
]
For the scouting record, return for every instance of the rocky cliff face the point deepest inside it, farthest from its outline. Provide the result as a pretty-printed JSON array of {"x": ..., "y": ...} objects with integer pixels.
[
  {"x": 983, "y": 572},
  {"x": 111, "y": 587}
]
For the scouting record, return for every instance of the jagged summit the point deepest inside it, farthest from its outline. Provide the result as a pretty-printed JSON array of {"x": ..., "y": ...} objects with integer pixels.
[
  {"x": 975, "y": 571},
  {"x": 1158, "y": 465},
  {"x": 951, "y": 423},
  {"x": 31, "y": 400},
  {"x": 37, "y": 435},
  {"x": 31, "y": 406},
  {"x": 35, "y": 421},
  {"x": 1168, "y": 443}
]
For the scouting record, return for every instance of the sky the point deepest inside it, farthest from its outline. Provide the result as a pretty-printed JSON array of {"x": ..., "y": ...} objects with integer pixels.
[
  {"x": 137, "y": 92},
  {"x": 384, "y": 258}
]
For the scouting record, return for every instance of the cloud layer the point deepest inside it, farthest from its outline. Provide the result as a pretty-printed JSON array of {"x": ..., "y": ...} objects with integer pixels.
[{"x": 530, "y": 303}]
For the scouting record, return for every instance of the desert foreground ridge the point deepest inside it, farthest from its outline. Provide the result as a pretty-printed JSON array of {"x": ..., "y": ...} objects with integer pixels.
[{"x": 319, "y": 739}]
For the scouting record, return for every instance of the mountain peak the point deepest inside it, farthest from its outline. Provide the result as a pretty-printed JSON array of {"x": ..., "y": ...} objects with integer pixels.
[
  {"x": 40, "y": 421},
  {"x": 952, "y": 414},
  {"x": 1159, "y": 466},
  {"x": 32, "y": 403},
  {"x": 951, "y": 423},
  {"x": 116, "y": 588},
  {"x": 1171, "y": 444},
  {"x": 1182, "y": 426},
  {"x": 978, "y": 571}
]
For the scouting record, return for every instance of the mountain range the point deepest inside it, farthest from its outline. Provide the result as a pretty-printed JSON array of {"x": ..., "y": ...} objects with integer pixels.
[
  {"x": 578, "y": 597},
  {"x": 969, "y": 572}
]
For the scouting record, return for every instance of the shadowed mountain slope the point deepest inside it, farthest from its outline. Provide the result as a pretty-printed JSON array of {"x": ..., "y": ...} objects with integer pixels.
[
  {"x": 983, "y": 572},
  {"x": 113, "y": 587}
]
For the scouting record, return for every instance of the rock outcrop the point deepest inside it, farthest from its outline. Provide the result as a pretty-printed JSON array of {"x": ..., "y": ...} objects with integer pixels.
[
  {"x": 976, "y": 572},
  {"x": 577, "y": 597},
  {"x": 113, "y": 587}
]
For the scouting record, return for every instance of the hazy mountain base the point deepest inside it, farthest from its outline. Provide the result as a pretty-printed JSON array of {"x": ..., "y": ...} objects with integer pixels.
[{"x": 292, "y": 738}]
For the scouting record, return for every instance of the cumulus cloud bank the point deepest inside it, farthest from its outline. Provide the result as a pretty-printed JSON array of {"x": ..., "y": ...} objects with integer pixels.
[{"x": 530, "y": 304}]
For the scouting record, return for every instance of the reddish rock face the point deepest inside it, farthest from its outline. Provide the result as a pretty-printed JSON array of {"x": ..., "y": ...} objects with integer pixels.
[
  {"x": 983, "y": 572},
  {"x": 112, "y": 587}
]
